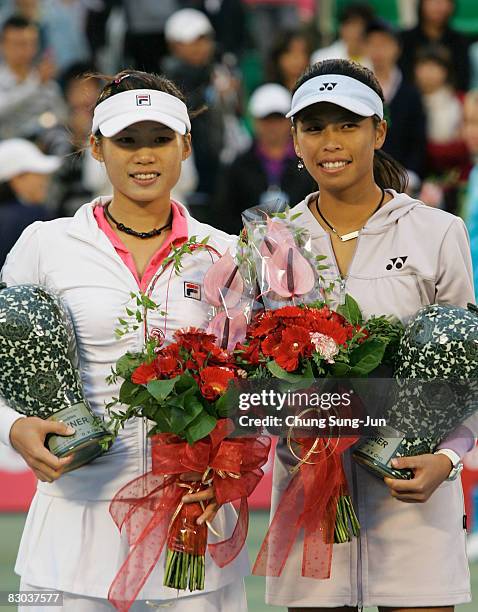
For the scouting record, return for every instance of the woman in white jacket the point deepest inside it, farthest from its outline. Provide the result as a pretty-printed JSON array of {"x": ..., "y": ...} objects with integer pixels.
[
  {"x": 393, "y": 254},
  {"x": 112, "y": 247}
]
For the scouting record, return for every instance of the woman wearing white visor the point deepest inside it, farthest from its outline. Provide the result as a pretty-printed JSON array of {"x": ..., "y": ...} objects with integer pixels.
[
  {"x": 393, "y": 255},
  {"x": 111, "y": 247}
]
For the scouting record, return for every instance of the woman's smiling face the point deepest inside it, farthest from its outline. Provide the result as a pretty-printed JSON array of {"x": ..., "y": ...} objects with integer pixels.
[
  {"x": 336, "y": 145},
  {"x": 143, "y": 161}
]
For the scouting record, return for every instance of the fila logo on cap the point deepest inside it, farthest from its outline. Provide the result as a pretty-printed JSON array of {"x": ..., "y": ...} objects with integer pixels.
[
  {"x": 192, "y": 290},
  {"x": 327, "y": 86},
  {"x": 143, "y": 100}
]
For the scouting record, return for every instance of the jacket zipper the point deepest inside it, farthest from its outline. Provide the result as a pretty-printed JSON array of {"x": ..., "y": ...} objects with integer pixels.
[
  {"x": 359, "y": 538},
  {"x": 343, "y": 279},
  {"x": 342, "y": 294}
]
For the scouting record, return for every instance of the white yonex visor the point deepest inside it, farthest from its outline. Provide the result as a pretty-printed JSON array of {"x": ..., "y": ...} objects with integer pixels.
[
  {"x": 341, "y": 90},
  {"x": 128, "y": 107}
]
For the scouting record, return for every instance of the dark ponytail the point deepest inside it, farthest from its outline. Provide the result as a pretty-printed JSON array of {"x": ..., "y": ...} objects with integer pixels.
[{"x": 387, "y": 172}]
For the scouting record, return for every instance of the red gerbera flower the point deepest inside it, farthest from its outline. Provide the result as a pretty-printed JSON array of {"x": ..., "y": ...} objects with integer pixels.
[
  {"x": 249, "y": 352},
  {"x": 213, "y": 382},
  {"x": 168, "y": 363},
  {"x": 295, "y": 343},
  {"x": 329, "y": 327},
  {"x": 144, "y": 373},
  {"x": 192, "y": 338}
]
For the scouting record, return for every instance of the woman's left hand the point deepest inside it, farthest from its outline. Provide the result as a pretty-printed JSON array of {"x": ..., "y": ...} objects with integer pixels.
[
  {"x": 205, "y": 495},
  {"x": 429, "y": 472}
]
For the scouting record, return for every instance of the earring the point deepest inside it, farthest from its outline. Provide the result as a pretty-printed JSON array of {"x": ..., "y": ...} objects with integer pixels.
[{"x": 300, "y": 164}]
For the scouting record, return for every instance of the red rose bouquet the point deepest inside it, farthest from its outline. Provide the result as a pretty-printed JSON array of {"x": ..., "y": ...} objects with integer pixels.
[{"x": 181, "y": 389}]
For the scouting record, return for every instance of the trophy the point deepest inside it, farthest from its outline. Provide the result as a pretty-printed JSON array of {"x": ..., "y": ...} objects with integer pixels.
[
  {"x": 38, "y": 373},
  {"x": 436, "y": 388}
]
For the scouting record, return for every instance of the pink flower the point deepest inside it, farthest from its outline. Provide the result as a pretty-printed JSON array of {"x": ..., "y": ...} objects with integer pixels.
[
  {"x": 223, "y": 284},
  {"x": 325, "y": 346}
]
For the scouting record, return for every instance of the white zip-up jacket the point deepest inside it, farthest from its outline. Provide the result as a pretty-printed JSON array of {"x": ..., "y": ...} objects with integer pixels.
[{"x": 75, "y": 258}]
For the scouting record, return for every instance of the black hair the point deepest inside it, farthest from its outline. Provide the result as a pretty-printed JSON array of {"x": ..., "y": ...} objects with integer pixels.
[
  {"x": 439, "y": 55},
  {"x": 387, "y": 172},
  {"x": 76, "y": 71},
  {"x": 17, "y": 22},
  {"x": 126, "y": 80},
  {"x": 420, "y": 12},
  {"x": 385, "y": 27},
  {"x": 280, "y": 45},
  {"x": 356, "y": 11}
]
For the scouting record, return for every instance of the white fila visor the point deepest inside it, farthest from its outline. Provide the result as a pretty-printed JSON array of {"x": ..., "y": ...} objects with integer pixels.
[
  {"x": 122, "y": 110},
  {"x": 343, "y": 91}
]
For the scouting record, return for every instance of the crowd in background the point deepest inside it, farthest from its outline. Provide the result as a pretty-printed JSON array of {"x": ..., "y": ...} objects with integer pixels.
[{"x": 240, "y": 58}]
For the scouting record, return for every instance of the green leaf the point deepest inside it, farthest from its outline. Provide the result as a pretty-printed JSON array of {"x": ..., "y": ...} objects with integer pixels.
[
  {"x": 127, "y": 391},
  {"x": 225, "y": 405},
  {"x": 200, "y": 427},
  {"x": 295, "y": 216},
  {"x": 351, "y": 311},
  {"x": 275, "y": 369},
  {"x": 160, "y": 389},
  {"x": 128, "y": 363},
  {"x": 185, "y": 381},
  {"x": 367, "y": 357},
  {"x": 340, "y": 369}
]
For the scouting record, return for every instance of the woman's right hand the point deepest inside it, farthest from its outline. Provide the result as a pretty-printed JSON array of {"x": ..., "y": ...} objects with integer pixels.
[{"x": 27, "y": 436}]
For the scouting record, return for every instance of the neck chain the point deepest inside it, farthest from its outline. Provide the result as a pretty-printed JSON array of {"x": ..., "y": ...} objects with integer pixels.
[
  {"x": 351, "y": 235},
  {"x": 132, "y": 232}
]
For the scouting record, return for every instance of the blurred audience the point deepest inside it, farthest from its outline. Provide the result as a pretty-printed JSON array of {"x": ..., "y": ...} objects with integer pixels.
[
  {"x": 288, "y": 58},
  {"x": 267, "y": 17},
  {"x": 268, "y": 171},
  {"x": 434, "y": 28},
  {"x": 145, "y": 44},
  {"x": 406, "y": 135},
  {"x": 228, "y": 18},
  {"x": 30, "y": 99},
  {"x": 80, "y": 177},
  {"x": 470, "y": 209},
  {"x": 447, "y": 156},
  {"x": 25, "y": 174},
  {"x": 353, "y": 23},
  {"x": 217, "y": 133}
]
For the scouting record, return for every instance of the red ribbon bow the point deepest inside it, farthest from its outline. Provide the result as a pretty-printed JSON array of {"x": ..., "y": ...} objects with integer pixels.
[
  {"x": 144, "y": 507},
  {"x": 309, "y": 502}
]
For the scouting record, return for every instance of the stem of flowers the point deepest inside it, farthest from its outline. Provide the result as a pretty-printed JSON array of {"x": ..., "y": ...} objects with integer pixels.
[
  {"x": 184, "y": 570},
  {"x": 346, "y": 522}
]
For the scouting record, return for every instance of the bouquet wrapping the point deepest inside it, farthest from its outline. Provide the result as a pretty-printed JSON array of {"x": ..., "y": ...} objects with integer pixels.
[{"x": 38, "y": 373}]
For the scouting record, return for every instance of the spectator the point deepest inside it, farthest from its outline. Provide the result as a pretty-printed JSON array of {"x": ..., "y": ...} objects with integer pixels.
[
  {"x": 267, "y": 17},
  {"x": 145, "y": 44},
  {"x": 29, "y": 97},
  {"x": 24, "y": 181},
  {"x": 192, "y": 65},
  {"x": 447, "y": 157},
  {"x": 434, "y": 29},
  {"x": 353, "y": 23},
  {"x": 406, "y": 134},
  {"x": 60, "y": 24},
  {"x": 289, "y": 57},
  {"x": 81, "y": 178},
  {"x": 470, "y": 211},
  {"x": 228, "y": 18},
  {"x": 268, "y": 171}
]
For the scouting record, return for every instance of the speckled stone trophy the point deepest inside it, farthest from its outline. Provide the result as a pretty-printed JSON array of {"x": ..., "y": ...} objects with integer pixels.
[
  {"x": 436, "y": 387},
  {"x": 38, "y": 373}
]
